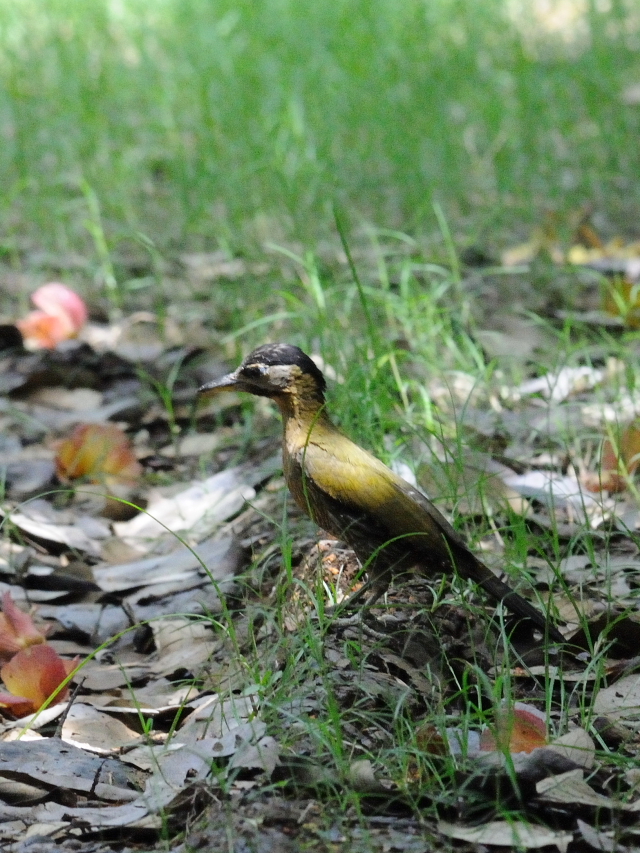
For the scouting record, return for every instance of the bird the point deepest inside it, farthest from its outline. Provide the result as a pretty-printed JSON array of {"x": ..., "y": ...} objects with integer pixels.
[{"x": 392, "y": 527}]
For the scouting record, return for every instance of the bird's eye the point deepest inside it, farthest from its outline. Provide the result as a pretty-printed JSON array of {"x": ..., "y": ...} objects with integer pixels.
[{"x": 254, "y": 371}]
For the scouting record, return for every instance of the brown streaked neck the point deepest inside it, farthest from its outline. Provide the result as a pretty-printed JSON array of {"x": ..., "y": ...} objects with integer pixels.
[{"x": 303, "y": 403}]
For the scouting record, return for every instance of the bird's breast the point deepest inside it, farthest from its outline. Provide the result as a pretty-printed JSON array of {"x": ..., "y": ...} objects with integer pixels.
[{"x": 357, "y": 498}]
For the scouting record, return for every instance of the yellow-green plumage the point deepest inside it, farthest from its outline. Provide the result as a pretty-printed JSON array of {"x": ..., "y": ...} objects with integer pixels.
[{"x": 391, "y": 526}]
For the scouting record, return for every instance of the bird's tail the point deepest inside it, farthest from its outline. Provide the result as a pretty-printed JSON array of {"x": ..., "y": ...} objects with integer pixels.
[{"x": 516, "y": 604}]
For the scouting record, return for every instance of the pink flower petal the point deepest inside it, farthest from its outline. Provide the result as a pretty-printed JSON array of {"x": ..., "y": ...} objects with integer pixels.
[
  {"x": 61, "y": 316},
  {"x": 522, "y": 729},
  {"x": 17, "y": 629},
  {"x": 55, "y": 298},
  {"x": 45, "y": 331},
  {"x": 36, "y": 673},
  {"x": 18, "y": 705}
]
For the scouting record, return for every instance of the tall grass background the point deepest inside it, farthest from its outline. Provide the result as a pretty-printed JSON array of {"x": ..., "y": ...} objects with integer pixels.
[{"x": 227, "y": 122}]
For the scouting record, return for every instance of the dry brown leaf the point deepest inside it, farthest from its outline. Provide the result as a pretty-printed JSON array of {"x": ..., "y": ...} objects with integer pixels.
[
  {"x": 577, "y": 746},
  {"x": 499, "y": 833},
  {"x": 88, "y": 728},
  {"x": 570, "y": 788},
  {"x": 182, "y": 644},
  {"x": 197, "y": 510},
  {"x": 621, "y": 701},
  {"x": 618, "y": 461},
  {"x": 39, "y": 519}
]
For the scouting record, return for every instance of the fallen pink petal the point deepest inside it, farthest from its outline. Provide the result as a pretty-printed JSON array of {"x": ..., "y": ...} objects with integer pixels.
[
  {"x": 58, "y": 299},
  {"x": 44, "y": 331},
  {"x": 61, "y": 315},
  {"x": 523, "y": 728},
  {"x": 17, "y": 629},
  {"x": 32, "y": 676}
]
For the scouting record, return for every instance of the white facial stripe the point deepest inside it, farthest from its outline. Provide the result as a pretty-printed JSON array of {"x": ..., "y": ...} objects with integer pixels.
[{"x": 280, "y": 375}]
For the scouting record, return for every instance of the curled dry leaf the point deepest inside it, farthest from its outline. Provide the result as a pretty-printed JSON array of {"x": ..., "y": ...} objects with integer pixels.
[
  {"x": 32, "y": 676},
  {"x": 618, "y": 460},
  {"x": 17, "y": 630},
  {"x": 97, "y": 453},
  {"x": 508, "y": 834},
  {"x": 577, "y": 746},
  {"x": 431, "y": 741},
  {"x": 61, "y": 315}
]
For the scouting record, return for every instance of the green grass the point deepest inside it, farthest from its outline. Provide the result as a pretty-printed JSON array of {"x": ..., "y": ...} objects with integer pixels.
[
  {"x": 178, "y": 124},
  {"x": 227, "y": 123}
]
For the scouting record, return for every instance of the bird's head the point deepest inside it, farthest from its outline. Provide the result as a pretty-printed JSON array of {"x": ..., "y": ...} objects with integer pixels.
[{"x": 279, "y": 371}]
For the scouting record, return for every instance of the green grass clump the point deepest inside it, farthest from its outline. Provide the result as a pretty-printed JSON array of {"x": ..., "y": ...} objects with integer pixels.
[{"x": 228, "y": 122}]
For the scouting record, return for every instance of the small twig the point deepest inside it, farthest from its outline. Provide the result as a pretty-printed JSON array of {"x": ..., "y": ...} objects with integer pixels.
[{"x": 65, "y": 713}]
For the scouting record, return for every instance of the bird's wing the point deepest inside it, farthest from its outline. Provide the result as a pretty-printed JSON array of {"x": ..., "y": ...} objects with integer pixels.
[
  {"x": 369, "y": 505},
  {"x": 357, "y": 480}
]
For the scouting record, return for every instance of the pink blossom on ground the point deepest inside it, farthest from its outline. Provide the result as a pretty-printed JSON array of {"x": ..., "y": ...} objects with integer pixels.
[
  {"x": 17, "y": 629},
  {"x": 61, "y": 316},
  {"x": 32, "y": 676},
  {"x": 522, "y": 728}
]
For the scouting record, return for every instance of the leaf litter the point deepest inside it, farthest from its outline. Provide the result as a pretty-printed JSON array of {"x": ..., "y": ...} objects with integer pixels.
[{"x": 171, "y": 714}]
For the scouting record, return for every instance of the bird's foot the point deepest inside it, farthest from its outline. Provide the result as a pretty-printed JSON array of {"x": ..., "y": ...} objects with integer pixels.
[{"x": 359, "y": 622}]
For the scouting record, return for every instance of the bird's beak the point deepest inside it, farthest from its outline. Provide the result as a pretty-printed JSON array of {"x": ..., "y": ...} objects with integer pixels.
[{"x": 230, "y": 382}]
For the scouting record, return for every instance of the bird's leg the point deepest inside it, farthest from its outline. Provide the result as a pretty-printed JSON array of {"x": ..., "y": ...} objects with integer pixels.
[
  {"x": 356, "y": 620},
  {"x": 351, "y": 601},
  {"x": 378, "y": 590},
  {"x": 376, "y": 585},
  {"x": 356, "y": 597}
]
